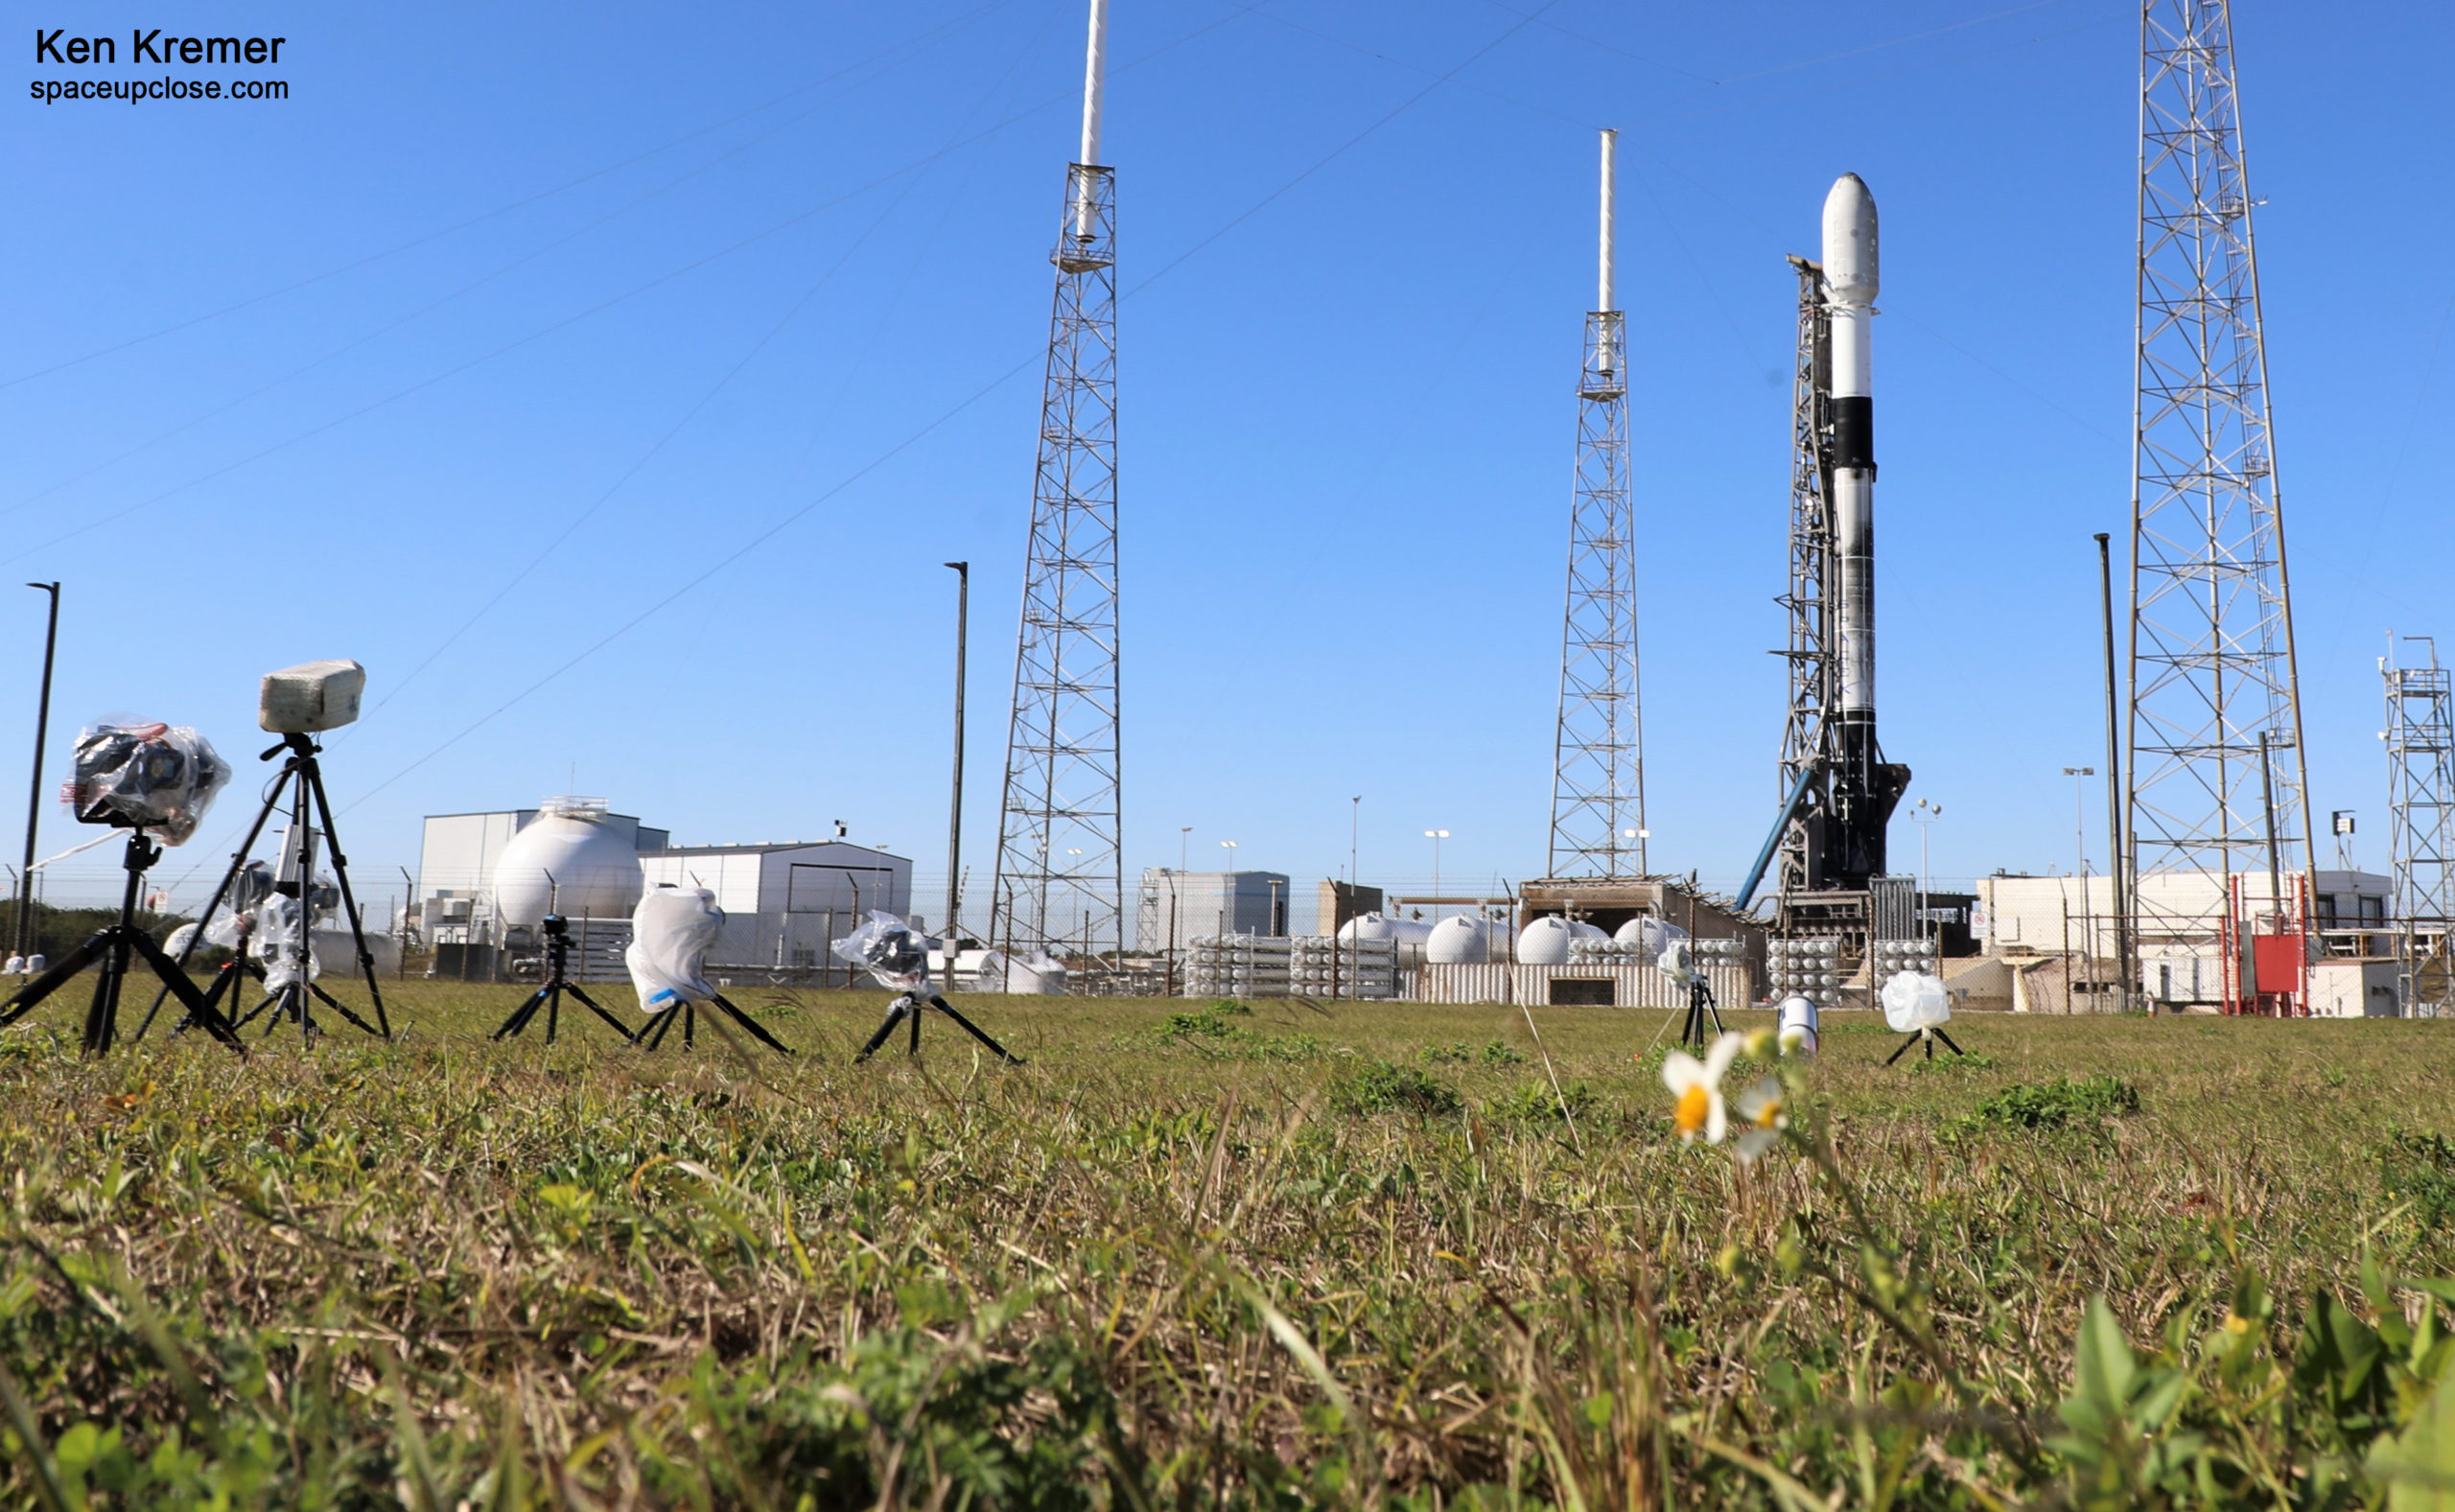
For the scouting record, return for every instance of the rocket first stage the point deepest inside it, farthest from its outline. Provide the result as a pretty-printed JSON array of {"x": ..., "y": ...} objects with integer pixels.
[{"x": 1865, "y": 787}]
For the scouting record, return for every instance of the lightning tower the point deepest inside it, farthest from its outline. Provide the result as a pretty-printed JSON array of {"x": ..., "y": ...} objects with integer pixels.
[
  {"x": 1808, "y": 653},
  {"x": 2420, "y": 826},
  {"x": 2217, "y": 799},
  {"x": 1060, "y": 878},
  {"x": 1598, "y": 775}
]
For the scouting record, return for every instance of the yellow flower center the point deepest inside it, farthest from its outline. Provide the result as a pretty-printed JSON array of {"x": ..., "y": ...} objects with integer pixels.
[
  {"x": 1696, "y": 1104},
  {"x": 1769, "y": 1116}
]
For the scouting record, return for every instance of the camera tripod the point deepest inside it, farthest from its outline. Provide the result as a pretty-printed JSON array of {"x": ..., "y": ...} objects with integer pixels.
[
  {"x": 304, "y": 777},
  {"x": 112, "y": 947},
  {"x": 1700, "y": 1007},
  {"x": 1929, "y": 1035},
  {"x": 651, "y": 1038},
  {"x": 549, "y": 993},
  {"x": 908, "y": 1005}
]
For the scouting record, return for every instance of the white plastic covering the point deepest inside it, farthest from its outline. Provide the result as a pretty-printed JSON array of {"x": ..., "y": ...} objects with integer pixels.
[
  {"x": 1798, "y": 1027},
  {"x": 1043, "y": 975},
  {"x": 161, "y": 778},
  {"x": 568, "y": 861},
  {"x": 276, "y": 941},
  {"x": 1913, "y": 1000},
  {"x": 17, "y": 967},
  {"x": 672, "y": 932},
  {"x": 310, "y": 696},
  {"x": 1545, "y": 942},
  {"x": 1678, "y": 961},
  {"x": 1459, "y": 941},
  {"x": 890, "y": 949}
]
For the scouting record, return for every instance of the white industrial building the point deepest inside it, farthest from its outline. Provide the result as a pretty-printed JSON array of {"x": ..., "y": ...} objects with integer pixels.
[
  {"x": 1176, "y": 907},
  {"x": 787, "y": 904},
  {"x": 2071, "y": 919}
]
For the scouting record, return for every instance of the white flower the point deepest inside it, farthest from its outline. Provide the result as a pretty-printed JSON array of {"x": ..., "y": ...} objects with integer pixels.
[
  {"x": 1698, "y": 1086},
  {"x": 1763, "y": 1112}
]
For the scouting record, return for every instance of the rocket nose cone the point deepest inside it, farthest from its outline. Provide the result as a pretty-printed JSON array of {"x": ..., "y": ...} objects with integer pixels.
[{"x": 1850, "y": 240}]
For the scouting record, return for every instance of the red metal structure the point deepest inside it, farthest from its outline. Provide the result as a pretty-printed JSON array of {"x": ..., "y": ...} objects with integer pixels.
[{"x": 2277, "y": 955}]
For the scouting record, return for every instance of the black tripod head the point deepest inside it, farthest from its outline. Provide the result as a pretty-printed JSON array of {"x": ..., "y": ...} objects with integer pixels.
[
  {"x": 298, "y": 745},
  {"x": 555, "y": 926}
]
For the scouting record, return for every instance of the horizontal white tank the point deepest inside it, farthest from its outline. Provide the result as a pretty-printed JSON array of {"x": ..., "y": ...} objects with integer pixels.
[
  {"x": 1411, "y": 936},
  {"x": 1458, "y": 942},
  {"x": 568, "y": 861},
  {"x": 1579, "y": 929}
]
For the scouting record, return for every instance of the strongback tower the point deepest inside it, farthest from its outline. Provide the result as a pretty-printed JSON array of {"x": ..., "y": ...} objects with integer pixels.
[
  {"x": 1597, "y": 774},
  {"x": 1060, "y": 879},
  {"x": 2217, "y": 797}
]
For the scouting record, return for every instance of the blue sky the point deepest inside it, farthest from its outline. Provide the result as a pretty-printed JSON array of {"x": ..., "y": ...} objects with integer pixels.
[{"x": 513, "y": 324}]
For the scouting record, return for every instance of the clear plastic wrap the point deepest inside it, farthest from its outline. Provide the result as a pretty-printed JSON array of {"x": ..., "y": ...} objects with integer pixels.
[
  {"x": 892, "y": 952},
  {"x": 1913, "y": 1000},
  {"x": 280, "y": 941},
  {"x": 159, "y": 779},
  {"x": 671, "y": 933}
]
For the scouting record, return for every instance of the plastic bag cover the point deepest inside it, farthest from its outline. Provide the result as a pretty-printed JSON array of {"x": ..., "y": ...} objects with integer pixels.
[
  {"x": 1913, "y": 1000},
  {"x": 671, "y": 933},
  {"x": 1679, "y": 962},
  {"x": 277, "y": 941},
  {"x": 895, "y": 953},
  {"x": 1798, "y": 1026},
  {"x": 156, "y": 777}
]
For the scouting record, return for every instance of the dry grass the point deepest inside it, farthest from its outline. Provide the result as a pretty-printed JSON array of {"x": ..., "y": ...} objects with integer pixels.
[{"x": 1196, "y": 1268}]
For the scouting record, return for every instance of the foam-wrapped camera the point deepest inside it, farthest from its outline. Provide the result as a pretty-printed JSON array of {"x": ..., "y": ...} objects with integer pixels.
[
  {"x": 154, "y": 778},
  {"x": 311, "y": 696}
]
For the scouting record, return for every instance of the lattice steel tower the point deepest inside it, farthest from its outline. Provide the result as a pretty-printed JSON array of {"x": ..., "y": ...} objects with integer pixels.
[
  {"x": 1813, "y": 676},
  {"x": 1597, "y": 774},
  {"x": 1060, "y": 879},
  {"x": 2217, "y": 783},
  {"x": 2420, "y": 828}
]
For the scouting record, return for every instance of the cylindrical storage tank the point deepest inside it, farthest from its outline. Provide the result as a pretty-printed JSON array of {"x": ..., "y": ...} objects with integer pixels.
[
  {"x": 1546, "y": 942},
  {"x": 1458, "y": 942},
  {"x": 571, "y": 860},
  {"x": 1369, "y": 926}
]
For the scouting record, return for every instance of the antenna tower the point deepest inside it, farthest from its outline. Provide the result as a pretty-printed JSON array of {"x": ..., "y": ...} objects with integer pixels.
[
  {"x": 2216, "y": 787},
  {"x": 1809, "y": 655},
  {"x": 2420, "y": 828},
  {"x": 1060, "y": 881},
  {"x": 1598, "y": 777}
]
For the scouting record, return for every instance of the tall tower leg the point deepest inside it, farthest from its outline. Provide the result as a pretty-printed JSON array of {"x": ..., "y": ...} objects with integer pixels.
[
  {"x": 2420, "y": 826},
  {"x": 2218, "y": 788}
]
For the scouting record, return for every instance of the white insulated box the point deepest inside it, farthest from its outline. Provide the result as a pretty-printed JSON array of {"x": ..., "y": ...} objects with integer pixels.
[{"x": 310, "y": 696}]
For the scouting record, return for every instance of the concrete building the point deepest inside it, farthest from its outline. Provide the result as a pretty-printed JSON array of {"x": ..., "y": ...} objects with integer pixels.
[
  {"x": 1179, "y": 906},
  {"x": 456, "y": 857},
  {"x": 785, "y": 903}
]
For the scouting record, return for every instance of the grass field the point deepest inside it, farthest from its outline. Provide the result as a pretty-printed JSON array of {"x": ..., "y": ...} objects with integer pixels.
[{"x": 1277, "y": 1257}]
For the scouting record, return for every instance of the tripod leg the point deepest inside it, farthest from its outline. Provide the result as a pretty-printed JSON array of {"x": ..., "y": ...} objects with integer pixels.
[
  {"x": 237, "y": 864},
  {"x": 689, "y": 1026},
  {"x": 619, "y": 1028},
  {"x": 976, "y": 1031},
  {"x": 100, "y": 1015},
  {"x": 519, "y": 1018},
  {"x": 1901, "y": 1050},
  {"x": 342, "y": 1009},
  {"x": 1947, "y": 1039},
  {"x": 655, "y": 1037},
  {"x": 553, "y": 1012},
  {"x": 312, "y": 776},
  {"x": 759, "y": 1029},
  {"x": 176, "y": 980},
  {"x": 914, "y": 1048},
  {"x": 30, "y": 996},
  {"x": 895, "y": 1011}
]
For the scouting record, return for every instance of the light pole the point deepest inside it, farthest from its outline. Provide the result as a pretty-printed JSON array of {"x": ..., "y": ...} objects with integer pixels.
[
  {"x": 1185, "y": 838},
  {"x": 34, "y": 799},
  {"x": 1435, "y": 836},
  {"x": 954, "y": 805},
  {"x": 2080, "y": 838},
  {"x": 1226, "y": 883},
  {"x": 1355, "y": 829},
  {"x": 1925, "y": 814}
]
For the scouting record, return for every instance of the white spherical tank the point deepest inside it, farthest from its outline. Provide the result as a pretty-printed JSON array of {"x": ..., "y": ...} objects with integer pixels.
[
  {"x": 1579, "y": 929},
  {"x": 572, "y": 861},
  {"x": 1458, "y": 942},
  {"x": 1546, "y": 942}
]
